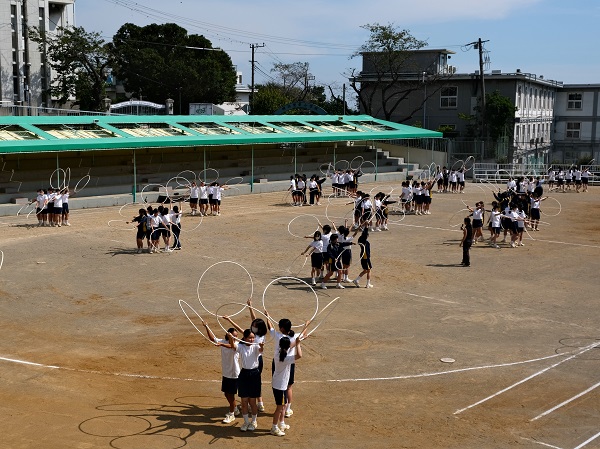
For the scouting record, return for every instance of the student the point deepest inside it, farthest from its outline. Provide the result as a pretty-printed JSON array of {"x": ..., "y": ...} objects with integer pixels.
[
  {"x": 230, "y": 367},
  {"x": 259, "y": 328},
  {"x": 203, "y": 197},
  {"x": 166, "y": 227},
  {"x": 176, "y": 227},
  {"x": 315, "y": 250},
  {"x": 282, "y": 364},
  {"x": 155, "y": 226},
  {"x": 194, "y": 195},
  {"x": 535, "y": 211},
  {"x": 495, "y": 218},
  {"x": 141, "y": 221},
  {"x": 40, "y": 207},
  {"x": 65, "y": 206},
  {"x": 249, "y": 384},
  {"x": 285, "y": 330},
  {"x": 365, "y": 259},
  {"x": 585, "y": 179},
  {"x": 466, "y": 242},
  {"x": 477, "y": 213}
]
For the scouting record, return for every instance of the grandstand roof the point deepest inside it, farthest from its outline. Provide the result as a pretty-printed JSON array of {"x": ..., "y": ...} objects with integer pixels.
[{"x": 35, "y": 134}]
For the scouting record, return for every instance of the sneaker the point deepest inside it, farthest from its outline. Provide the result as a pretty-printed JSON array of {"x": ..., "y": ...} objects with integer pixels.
[
  {"x": 521, "y": 244},
  {"x": 229, "y": 418},
  {"x": 67, "y": 223},
  {"x": 496, "y": 246},
  {"x": 337, "y": 286},
  {"x": 277, "y": 432},
  {"x": 261, "y": 408},
  {"x": 355, "y": 282},
  {"x": 369, "y": 286},
  {"x": 252, "y": 426},
  {"x": 323, "y": 286},
  {"x": 237, "y": 411},
  {"x": 283, "y": 426},
  {"x": 245, "y": 426},
  {"x": 139, "y": 251},
  {"x": 289, "y": 412},
  {"x": 512, "y": 244}
]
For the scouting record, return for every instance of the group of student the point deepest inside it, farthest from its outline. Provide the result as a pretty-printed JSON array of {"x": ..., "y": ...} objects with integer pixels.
[
  {"x": 449, "y": 180},
  {"x": 154, "y": 224},
  {"x": 242, "y": 366},
  {"x": 564, "y": 179},
  {"x": 300, "y": 186},
  {"x": 330, "y": 255},
  {"x": 52, "y": 207},
  {"x": 345, "y": 182},
  {"x": 202, "y": 197},
  {"x": 416, "y": 197}
]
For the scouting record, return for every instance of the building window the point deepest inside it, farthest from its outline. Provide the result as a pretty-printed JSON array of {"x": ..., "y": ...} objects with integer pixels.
[
  {"x": 448, "y": 97},
  {"x": 574, "y": 101},
  {"x": 573, "y": 130}
]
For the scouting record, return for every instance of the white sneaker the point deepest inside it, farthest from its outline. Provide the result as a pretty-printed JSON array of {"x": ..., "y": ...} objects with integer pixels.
[
  {"x": 139, "y": 251},
  {"x": 229, "y": 418},
  {"x": 521, "y": 244},
  {"x": 252, "y": 426},
  {"x": 261, "y": 408},
  {"x": 67, "y": 223},
  {"x": 245, "y": 426},
  {"x": 369, "y": 285},
  {"x": 323, "y": 286},
  {"x": 277, "y": 432},
  {"x": 496, "y": 246},
  {"x": 355, "y": 282},
  {"x": 337, "y": 286},
  {"x": 289, "y": 412},
  {"x": 283, "y": 426},
  {"x": 237, "y": 411}
]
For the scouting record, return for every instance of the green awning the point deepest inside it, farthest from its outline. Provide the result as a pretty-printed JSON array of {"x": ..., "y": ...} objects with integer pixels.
[{"x": 36, "y": 134}]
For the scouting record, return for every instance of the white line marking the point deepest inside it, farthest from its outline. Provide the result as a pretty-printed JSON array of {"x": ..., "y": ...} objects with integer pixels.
[
  {"x": 539, "y": 442},
  {"x": 589, "y": 440},
  {"x": 367, "y": 379},
  {"x": 587, "y": 348},
  {"x": 566, "y": 402},
  {"x": 428, "y": 297}
]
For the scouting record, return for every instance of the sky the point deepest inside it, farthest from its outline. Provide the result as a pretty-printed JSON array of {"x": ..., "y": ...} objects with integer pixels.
[{"x": 554, "y": 38}]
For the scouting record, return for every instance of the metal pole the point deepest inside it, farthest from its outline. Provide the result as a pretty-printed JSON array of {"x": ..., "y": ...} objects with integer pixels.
[
  {"x": 57, "y": 171},
  {"x": 376, "y": 161},
  {"x": 295, "y": 159},
  {"x": 204, "y": 166},
  {"x": 252, "y": 171},
  {"x": 134, "y": 190}
]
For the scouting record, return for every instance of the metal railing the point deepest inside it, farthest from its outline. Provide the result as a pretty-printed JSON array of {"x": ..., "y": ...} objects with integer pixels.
[{"x": 500, "y": 173}]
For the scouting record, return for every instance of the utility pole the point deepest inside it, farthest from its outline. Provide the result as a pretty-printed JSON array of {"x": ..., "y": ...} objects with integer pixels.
[
  {"x": 478, "y": 45},
  {"x": 253, "y": 47}
]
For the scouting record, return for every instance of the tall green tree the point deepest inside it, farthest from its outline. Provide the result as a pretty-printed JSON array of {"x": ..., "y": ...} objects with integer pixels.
[
  {"x": 499, "y": 115},
  {"x": 78, "y": 60},
  {"x": 383, "y": 86},
  {"x": 156, "y": 62}
]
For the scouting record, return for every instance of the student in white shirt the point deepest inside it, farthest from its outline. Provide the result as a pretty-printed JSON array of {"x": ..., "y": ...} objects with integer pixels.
[
  {"x": 282, "y": 362},
  {"x": 230, "y": 367},
  {"x": 203, "y": 197},
  {"x": 249, "y": 382},
  {"x": 315, "y": 251},
  {"x": 194, "y": 196}
]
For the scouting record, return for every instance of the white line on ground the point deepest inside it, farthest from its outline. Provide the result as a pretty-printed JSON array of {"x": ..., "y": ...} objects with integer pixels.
[
  {"x": 566, "y": 402},
  {"x": 589, "y": 440},
  {"x": 541, "y": 443},
  {"x": 522, "y": 381}
]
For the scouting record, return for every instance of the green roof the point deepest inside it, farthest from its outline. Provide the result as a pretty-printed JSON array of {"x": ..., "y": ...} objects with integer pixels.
[{"x": 33, "y": 134}]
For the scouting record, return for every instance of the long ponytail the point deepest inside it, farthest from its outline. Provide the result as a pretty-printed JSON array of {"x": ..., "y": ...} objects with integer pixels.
[{"x": 284, "y": 346}]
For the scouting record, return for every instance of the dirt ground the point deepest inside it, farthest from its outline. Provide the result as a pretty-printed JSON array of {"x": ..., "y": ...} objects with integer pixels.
[{"x": 95, "y": 351}]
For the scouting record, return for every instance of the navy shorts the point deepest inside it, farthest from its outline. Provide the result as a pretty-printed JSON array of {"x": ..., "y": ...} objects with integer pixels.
[
  {"x": 366, "y": 264},
  {"x": 280, "y": 396},
  {"x": 249, "y": 383},
  {"x": 65, "y": 208},
  {"x": 229, "y": 386},
  {"x": 477, "y": 223},
  {"x": 193, "y": 200},
  {"x": 316, "y": 260}
]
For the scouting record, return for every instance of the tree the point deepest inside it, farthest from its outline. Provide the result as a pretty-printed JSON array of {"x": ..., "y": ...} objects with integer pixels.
[
  {"x": 391, "y": 73},
  {"x": 156, "y": 62},
  {"x": 291, "y": 83},
  {"x": 499, "y": 115},
  {"x": 78, "y": 60}
]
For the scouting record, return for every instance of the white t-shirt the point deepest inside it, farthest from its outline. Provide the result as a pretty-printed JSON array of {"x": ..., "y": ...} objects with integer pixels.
[
  {"x": 281, "y": 375},
  {"x": 58, "y": 200},
  {"x": 230, "y": 361},
  {"x": 41, "y": 200},
  {"x": 194, "y": 191},
  {"x": 278, "y": 336},
  {"x": 217, "y": 192},
  {"x": 495, "y": 219},
  {"x": 293, "y": 184},
  {"x": 155, "y": 221},
  {"x": 203, "y": 192},
  {"x": 325, "y": 239},
  {"x": 66, "y": 198},
  {"x": 248, "y": 355},
  {"x": 317, "y": 245}
]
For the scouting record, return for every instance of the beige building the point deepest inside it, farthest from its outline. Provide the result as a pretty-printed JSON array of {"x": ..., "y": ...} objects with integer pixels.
[{"x": 23, "y": 74}]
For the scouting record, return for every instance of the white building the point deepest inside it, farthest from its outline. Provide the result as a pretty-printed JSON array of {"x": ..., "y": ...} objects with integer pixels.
[{"x": 23, "y": 74}]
